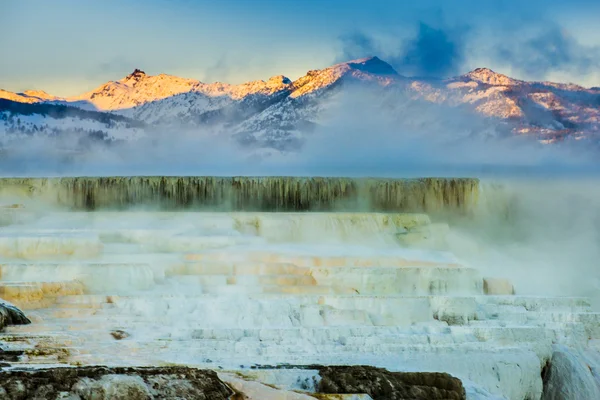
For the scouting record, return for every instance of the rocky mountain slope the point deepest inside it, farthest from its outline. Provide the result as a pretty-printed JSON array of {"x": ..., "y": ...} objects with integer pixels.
[{"x": 279, "y": 113}]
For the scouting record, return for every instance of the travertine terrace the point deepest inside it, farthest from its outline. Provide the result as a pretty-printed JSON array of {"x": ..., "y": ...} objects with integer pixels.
[
  {"x": 287, "y": 273},
  {"x": 248, "y": 193}
]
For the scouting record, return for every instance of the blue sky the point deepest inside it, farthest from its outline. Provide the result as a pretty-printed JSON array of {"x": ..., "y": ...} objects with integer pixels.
[{"x": 69, "y": 46}]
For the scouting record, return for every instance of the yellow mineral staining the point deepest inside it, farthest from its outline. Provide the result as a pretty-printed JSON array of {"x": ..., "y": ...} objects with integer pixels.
[
  {"x": 28, "y": 295},
  {"x": 59, "y": 354},
  {"x": 498, "y": 286},
  {"x": 35, "y": 246}
]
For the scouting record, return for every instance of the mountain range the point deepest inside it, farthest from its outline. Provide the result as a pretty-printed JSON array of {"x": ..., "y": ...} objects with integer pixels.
[{"x": 280, "y": 113}]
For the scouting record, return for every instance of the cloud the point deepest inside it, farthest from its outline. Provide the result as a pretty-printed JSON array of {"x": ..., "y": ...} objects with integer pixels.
[
  {"x": 370, "y": 133},
  {"x": 358, "y": 45},
  {"x": 549, "y": 49},
  {"x": 362, "y": 131},
  {"x": 534, "y": 50},
  {"x": 433, "y": 51}
]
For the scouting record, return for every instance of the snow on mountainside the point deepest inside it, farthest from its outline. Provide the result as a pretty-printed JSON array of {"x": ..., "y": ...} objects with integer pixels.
[
  {"x": 278, "y": 113},
  {"x": 135, "y": 89},
  {"x": 138, "y": 89},
  {"x": 368, "y": 69},
  {"x": 283, "y": 124},
  {"x": 489, "y": 77},
  {"x": 20, "y": 120},
  {"x": 204, "y": 102},
  {"x": 550, "y": 111}
]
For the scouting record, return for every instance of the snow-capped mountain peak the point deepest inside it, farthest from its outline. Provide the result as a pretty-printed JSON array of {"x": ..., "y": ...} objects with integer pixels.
[
  {"x": 279, "y": 79},
  {"x": 5, "y": 94},
  {"x": 28, "y": 96},
  {"x": 135, "y": 76},
  {"x": 42, "y": 95},
  {"x": 371, "y": 69},
  {"x": 273, "y": 85},
  {"x": 372, "y": 65},
  {"x": 277, "y": 112},
  {"x": 489, "y": 77},
  {"x": 134, "y": 90}
]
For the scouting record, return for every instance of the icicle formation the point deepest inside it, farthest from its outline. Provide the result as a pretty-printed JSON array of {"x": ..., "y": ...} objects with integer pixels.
[{"x": 252, "y": 193}]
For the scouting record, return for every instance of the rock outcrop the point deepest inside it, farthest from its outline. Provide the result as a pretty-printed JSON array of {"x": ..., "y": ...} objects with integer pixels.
[
  {"x": 11, "y": 315},
  {"x": 571, "y": 375},
  {"x": 102, "y": 383},
  {"x": 382, "y": 384}
]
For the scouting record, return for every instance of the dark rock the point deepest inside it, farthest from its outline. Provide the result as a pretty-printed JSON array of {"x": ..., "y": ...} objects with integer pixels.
[
  {"x": 86, "y": 383},
  {"x": 382, "y": 384},
  {"x": 119, "y": 334},
  {"x": 16, "y": 390},
  {"x": 10, "y": 355},
  {"x": 11, "y": 315}
]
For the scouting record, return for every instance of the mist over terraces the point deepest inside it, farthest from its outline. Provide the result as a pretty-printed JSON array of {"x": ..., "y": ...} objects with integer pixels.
[{"x": 297, "y": 287}]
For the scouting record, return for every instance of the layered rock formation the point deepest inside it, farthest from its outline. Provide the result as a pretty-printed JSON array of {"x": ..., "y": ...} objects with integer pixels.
[{"x": 101, "y": 383}]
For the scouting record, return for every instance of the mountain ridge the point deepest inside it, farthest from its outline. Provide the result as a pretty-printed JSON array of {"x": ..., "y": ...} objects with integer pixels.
[
  {"x": 278, "y": 109},
  {"x": 367, "y": 64}
]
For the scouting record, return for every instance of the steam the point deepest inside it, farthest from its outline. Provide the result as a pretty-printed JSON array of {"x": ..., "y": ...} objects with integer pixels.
[
  {"x": 360, "y": 132},
  {"x": 541, "y": 229},
  {"x": 548, "y": 49},
  {"x": 542, "y": 234},
  {"x": 396, "y": 137}
]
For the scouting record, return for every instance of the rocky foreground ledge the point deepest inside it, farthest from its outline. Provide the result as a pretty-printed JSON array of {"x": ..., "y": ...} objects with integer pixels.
[
  {"x": 382, "y": 384},
  {"x": 87, "y": 383},
  {"x": 143, "y": 383}
]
